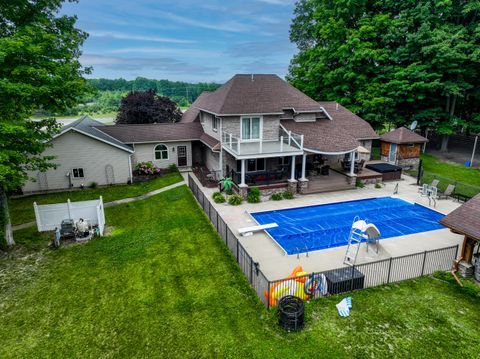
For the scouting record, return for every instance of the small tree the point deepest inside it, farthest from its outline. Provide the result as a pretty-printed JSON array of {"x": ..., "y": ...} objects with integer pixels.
[
  {"x": 147, "y": 107},
  {"x": 39, "y": 69}
]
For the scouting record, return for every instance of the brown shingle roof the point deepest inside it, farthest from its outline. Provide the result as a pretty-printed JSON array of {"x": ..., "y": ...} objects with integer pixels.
[
  {"x": 465, "y": 219},
  {"x": 160, "y": 132},
  {"x": 263, "y": 94},
  {"x": 322, "y": 135},
  {"x": 154, "y": 132},
  {"x": 341, "y": 134},
  {"x": 403, "y": 135},
  {"x": 191, "y": 115}
]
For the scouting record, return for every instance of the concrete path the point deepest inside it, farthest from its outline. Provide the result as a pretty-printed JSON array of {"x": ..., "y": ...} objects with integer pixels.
[{"x": 116, "y": 202}]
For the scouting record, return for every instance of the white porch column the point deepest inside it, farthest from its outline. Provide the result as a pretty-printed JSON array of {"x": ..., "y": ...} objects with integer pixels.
[
  {"x": 304, "y": 165},
  {"x": 242, "y": 181},
  {"x": 292, "y": 175},
  {"x": 220, "y": 163},
  {"x": 352, "y": 163}
]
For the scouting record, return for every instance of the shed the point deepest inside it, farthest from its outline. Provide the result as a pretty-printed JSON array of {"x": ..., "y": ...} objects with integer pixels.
[
  {"x": 401, "y": 147},
  {"x": 465, "y": 220}
]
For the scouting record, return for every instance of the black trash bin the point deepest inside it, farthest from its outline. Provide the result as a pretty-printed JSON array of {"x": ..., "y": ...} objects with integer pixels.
[{"x": 291, "y": 313}]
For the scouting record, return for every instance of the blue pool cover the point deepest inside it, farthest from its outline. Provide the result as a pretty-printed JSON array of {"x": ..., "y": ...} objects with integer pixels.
[{"x": 306, "y": 229}]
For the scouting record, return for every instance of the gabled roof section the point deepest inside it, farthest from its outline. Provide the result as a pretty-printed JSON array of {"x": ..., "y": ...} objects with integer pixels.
[
  {"x": 191, "y": 115},
  {"x": 403, "y": 135},
  {"x": 465, "y": 219},
  {"x": 91, "y": 128},
  {"x": 339, "y": 133},
  {"x": 255, "y": 94},
  {"x": 155, "y": 132}
]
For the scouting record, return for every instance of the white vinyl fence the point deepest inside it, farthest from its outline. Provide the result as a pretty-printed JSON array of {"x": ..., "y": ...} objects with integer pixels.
[{"x": 50, "y": 216}]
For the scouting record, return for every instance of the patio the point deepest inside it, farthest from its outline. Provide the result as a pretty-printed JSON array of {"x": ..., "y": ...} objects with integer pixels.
[{"x": 275, "y": 264}]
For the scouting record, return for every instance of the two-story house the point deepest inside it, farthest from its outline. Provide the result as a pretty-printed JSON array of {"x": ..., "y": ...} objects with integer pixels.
[{"x": 257, "y": 128}]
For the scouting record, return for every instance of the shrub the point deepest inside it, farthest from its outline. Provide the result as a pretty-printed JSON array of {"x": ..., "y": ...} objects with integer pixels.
[
  {"x": 93, "y": 185},
  {"x": 235, "y": 200},
  {"x": 378, "y": 185},
  {"x": 172, "y": 168},
  {"x": 147, "y": 168},
  {"x": 218, "y": 197},
  {"x": 359, "y": 184},
  {"x": 287, "y": 195},
  {"x": 277, "y": 196},
  {"x": 253, "y": 195}
]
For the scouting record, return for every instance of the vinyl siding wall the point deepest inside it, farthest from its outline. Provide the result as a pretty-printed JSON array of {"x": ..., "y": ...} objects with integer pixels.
[
  {"x": 145, "y": 152},
  {"x": 74, "y": 150}
]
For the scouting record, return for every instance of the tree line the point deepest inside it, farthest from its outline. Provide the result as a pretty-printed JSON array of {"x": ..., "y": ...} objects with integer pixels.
[
  {"x": 392, "y": 62},
  {"x": 105, "y": 95}
]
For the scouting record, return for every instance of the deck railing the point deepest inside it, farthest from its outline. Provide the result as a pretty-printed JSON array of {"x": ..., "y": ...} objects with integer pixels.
[
  {"x": 340, "y": 280},
  {"x": 287, "y": 142}
]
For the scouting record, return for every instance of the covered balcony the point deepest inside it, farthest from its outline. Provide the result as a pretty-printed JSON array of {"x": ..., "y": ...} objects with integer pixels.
[{"x": 287, "y": 144}]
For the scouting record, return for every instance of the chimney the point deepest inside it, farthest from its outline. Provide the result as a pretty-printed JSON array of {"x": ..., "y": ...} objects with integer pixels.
[
  {"x": 252, "y": 77},
  {"x": 336, "y": 106}
]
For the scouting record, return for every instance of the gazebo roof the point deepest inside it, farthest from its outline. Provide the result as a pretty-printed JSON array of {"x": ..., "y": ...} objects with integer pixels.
[
  {"x": 465, "y": 219},
  {"x": 402, "y": 135}
]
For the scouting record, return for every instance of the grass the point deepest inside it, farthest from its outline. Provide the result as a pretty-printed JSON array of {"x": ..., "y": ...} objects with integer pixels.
[
  {"x": 163, "y": 284},
  {"x": 21, "y": 209},
  {"x": 468, "y": 179}
]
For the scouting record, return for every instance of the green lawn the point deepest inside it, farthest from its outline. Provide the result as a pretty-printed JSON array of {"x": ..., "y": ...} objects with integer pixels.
[
  {"x": 164, "y": 285},
  {"x": 468, "y": 178},
  {"x": 21, "y": 209}
]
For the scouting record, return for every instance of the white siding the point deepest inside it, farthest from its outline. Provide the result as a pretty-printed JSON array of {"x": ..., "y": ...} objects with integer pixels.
[
  {"x": 74, "y": 150},
  {"x": 145, "y": 152}
]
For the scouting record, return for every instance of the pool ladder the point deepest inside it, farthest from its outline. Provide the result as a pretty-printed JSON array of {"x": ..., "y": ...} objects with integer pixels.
[
  {"x": 298, "y": 251},
  {"x": 354, "y": 240}
]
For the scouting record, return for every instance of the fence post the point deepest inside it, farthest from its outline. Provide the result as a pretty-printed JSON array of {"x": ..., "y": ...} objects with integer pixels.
[
  {"x": 351, "y": 279},
  {"x": 389, "y": 269},
  {"x": 268, "y": 298},
  {"x": 423, "y": 265},
  {"x": 238, "y": 259},
  {"x": 251, "y": 270},
  {"x": 217, "y": 222},
  {"x": 226, "y": 235}
]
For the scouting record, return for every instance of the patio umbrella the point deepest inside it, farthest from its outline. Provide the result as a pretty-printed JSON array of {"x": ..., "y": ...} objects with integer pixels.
[{"x": 361, "y": 149}]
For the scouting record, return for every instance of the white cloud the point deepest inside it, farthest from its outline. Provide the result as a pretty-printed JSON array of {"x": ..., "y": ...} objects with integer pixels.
[{"x": 127, "y": 36}]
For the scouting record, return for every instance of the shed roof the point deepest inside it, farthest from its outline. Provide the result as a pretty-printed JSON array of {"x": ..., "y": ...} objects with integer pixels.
[
  {"x": 465, "y": 219},
  {"x": 402, "y": 135}
]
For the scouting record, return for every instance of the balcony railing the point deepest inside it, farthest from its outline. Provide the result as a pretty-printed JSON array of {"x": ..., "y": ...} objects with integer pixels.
[{"x": 287, "y": 142}]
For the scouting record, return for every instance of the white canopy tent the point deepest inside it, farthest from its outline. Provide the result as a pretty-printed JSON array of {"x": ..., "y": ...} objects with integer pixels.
[{"x": 50, "y": 216}]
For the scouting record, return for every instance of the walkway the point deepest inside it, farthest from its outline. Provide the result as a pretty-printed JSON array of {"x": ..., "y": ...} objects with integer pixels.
[{"x": 116, "y": 202}]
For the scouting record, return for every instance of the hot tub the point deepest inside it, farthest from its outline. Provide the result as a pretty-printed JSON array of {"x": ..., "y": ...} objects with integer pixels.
[{"x": 389, "y": 172}]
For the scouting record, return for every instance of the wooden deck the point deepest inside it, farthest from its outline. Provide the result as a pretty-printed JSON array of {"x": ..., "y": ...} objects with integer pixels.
[{"x": 335, "y": 181}]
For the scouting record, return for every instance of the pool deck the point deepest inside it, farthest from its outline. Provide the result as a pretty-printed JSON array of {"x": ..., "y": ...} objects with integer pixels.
[{"x": 275, "y": 264}]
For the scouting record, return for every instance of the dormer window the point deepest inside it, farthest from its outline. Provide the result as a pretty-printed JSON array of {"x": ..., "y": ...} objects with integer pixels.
[{"x": 251, "y": 128}]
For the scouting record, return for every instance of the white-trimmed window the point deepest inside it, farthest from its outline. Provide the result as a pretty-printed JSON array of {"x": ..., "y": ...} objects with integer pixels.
[
  {"x": 77, "y": 172},
  {"x": 215, "y": 123},
  {"x": 251, "y": 128},
  {"x": 161, "y": 152}
]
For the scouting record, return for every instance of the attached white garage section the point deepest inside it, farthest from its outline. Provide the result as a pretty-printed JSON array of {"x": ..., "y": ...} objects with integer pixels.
[{"x": 50, "y": 216}]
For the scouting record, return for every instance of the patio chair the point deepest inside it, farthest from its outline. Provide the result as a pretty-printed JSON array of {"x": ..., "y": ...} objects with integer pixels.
[
  {"x": 435, "y": 183},
  {"x": 447, "y": 193}
]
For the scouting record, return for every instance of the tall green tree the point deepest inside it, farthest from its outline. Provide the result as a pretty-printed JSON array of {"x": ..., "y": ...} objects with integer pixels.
[
  {"x": 39, "y": 68},
  {"x": 392, "y": 61}
]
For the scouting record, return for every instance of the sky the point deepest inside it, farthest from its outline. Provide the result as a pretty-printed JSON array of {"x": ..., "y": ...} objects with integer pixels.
[{"x": 184, "y": 40}]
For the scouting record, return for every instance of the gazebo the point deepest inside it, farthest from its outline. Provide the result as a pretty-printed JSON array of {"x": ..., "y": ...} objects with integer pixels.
[
  {"x": 401, "y": 147},
  {"x": 465, "y": 220}
]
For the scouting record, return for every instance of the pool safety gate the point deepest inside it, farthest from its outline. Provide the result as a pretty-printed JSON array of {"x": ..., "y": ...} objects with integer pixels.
[{"x": 340, "y": 280}]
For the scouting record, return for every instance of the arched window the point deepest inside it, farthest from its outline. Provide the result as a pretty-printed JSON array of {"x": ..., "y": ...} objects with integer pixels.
[{"x": 161, "y": 152}]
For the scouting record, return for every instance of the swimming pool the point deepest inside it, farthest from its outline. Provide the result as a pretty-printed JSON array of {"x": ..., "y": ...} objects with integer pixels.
[{"x": 306, "y": 229}]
